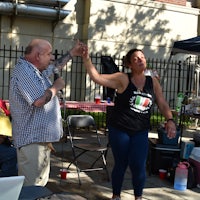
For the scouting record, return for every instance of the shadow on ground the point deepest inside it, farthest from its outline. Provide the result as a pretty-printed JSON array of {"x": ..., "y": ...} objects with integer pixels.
[{"x": 95, "y": 185}]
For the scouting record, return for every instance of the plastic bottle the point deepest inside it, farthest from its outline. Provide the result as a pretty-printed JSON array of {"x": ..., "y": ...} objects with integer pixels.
[
  {"x": 181, "y": 175},
  {"x": 179, "y": 101}
]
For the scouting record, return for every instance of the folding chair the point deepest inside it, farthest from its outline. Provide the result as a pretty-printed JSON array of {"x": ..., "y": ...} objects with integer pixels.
[{"x": 85, "y": 138}]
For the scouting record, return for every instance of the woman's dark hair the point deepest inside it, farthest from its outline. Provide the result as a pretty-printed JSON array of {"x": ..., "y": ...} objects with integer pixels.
[{"x": 127, "y": 59}]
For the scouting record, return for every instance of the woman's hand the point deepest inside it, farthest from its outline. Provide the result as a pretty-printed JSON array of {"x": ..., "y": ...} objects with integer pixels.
[
  {"x": 170, "y": 128},
  {"x": 85, "y": 53},
  {"x": 77, "y": 49}
]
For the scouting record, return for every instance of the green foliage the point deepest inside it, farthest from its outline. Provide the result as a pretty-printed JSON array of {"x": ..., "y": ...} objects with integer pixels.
[{"x": 100, "y": 118}]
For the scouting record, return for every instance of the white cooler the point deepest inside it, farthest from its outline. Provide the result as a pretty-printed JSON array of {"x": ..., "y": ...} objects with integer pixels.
[
  {"x": 195, "y": 160},
  {"x": 186, "y": 149}
]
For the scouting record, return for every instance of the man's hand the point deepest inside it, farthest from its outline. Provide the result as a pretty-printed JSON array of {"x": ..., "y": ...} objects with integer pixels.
[
  {"x": 58, "y": 85},
  {"x": 51, "y": 147}
]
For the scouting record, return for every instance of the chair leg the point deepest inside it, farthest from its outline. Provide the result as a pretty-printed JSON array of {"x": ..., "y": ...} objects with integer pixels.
[
  {"x": 92, "y": 165},
  {"x": 105, "y": 165},
  {"x": 106, "y": 152},
  {"x": 78, "y": 172},
  {"x": 75, "y": 158},
  {"x": 104, "y": 160}
]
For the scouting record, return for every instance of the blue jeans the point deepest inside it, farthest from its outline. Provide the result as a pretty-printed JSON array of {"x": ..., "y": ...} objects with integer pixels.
[
  {"x": 132, "y": 151},
  {"x": 8, "y": 161}
]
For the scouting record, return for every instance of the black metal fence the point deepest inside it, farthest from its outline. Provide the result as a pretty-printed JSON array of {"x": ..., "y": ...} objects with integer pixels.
[{"x": 176, "y": 76}]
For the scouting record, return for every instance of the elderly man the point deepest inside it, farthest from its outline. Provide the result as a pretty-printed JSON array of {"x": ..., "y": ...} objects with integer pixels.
[{"x": 35, "y": 109}]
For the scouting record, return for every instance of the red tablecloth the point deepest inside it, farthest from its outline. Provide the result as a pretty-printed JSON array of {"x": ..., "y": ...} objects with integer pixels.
[{"x": 87, "y": 106}]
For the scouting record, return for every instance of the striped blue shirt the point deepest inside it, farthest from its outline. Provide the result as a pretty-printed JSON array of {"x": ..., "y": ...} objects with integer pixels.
[{"x": 32, "y": 124}]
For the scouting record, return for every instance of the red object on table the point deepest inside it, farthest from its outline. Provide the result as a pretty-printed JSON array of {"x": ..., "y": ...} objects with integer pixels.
[{"x": 97, "y": 100}]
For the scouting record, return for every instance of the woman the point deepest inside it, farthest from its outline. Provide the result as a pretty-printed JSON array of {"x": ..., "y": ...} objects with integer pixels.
[{"x": 130, "y": 121}]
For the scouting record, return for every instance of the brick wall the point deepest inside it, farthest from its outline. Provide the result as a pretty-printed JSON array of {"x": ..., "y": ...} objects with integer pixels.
[{"x": 176, "y": 2}]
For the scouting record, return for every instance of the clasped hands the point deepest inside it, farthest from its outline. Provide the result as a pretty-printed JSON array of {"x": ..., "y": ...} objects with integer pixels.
[{"x": 80, "y": 49}]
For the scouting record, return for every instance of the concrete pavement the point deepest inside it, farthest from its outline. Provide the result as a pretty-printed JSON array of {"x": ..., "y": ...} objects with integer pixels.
[{"x": 96, "y": 187}]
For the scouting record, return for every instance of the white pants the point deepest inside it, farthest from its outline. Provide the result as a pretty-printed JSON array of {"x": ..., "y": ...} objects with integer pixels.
[{"x": 34, "y": 163}]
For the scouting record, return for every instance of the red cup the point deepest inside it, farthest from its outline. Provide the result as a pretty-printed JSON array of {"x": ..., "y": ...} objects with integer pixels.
[
  {"x": 97, "y": 100},
  {"x": 162, "y": 173},
  {"x": 63, "y": 173}
]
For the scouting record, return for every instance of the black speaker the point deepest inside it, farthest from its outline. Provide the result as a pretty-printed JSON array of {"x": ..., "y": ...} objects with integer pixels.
[
  {"x": 108, "y": 67},
  {"x": 108, "y": 64},
  {"x": 163, "y": 159},
  {"x": 162, "y": 156}
]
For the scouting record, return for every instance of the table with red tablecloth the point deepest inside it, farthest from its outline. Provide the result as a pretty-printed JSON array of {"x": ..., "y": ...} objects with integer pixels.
[{"x": 87, "y": 106}]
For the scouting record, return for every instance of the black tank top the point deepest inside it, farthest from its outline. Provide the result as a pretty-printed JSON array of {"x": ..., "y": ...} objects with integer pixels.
[{"x": 132, "y": 109}]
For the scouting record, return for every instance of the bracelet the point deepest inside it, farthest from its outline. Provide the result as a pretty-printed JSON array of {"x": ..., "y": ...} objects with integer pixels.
[
  {"x": 88, "y": 60},
  {"x": 171, "y": 119}
]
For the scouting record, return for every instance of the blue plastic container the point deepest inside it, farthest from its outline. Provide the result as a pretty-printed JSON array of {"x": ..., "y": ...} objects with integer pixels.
[{"x": 163, "y": 139}]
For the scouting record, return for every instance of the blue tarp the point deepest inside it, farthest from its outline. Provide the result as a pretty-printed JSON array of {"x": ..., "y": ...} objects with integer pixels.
[{"x": 189, "y": 46}]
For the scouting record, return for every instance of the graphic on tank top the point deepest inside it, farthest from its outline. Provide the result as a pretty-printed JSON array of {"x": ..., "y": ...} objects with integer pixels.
[{"x": 140, "y": 102}]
